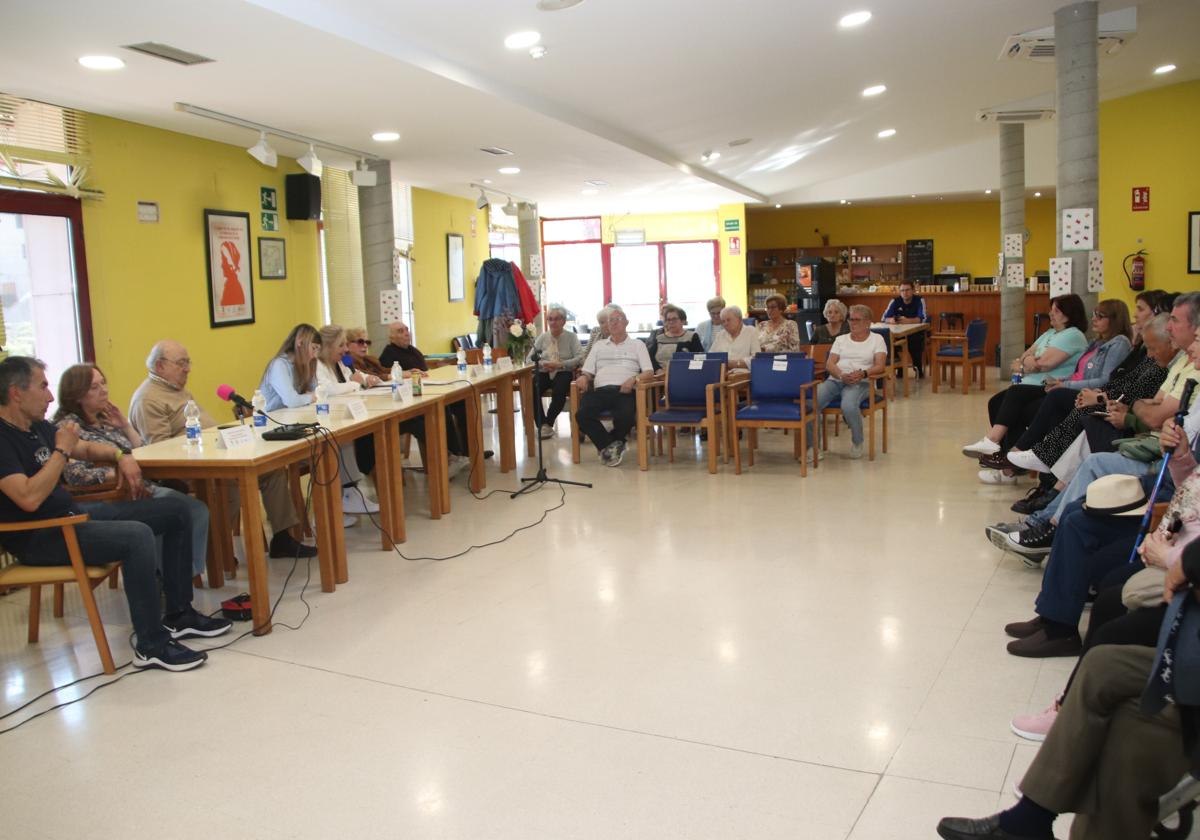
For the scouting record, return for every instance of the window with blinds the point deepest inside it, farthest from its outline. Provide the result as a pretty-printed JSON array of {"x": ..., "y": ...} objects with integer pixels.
[
  {"x": 41, "y": 144},
  {"x": 343, "y": 249}
]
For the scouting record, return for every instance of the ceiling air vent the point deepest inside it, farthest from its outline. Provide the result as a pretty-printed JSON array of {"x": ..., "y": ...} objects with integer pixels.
[
  {"x": 168, "y": 53},
  {"x": 1015, "y": 115},
  {"x": 1113, "y": 30},
  {"x": 495, "y": 150}
]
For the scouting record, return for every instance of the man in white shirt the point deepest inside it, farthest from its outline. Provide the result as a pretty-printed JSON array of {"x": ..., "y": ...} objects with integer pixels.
[
  {"x": 608, "y": 378},
  {"x": 852, "y": 359},
  {"x": 740, "y": 343}
]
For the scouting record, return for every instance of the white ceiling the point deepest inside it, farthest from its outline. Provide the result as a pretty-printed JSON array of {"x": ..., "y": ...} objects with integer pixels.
[{"x": 631, "y": 92}]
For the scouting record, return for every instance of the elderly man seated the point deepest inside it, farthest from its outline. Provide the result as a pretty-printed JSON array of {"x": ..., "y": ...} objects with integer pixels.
[
  {"x": 156, "y": 412},
  {"x": 853, "y": 358},
  {"x": 557, "y": 354},
  {"x": 740, "y": 343},
  {"x": 609, "y": 375},
  {"x": 32, "y": 457}
]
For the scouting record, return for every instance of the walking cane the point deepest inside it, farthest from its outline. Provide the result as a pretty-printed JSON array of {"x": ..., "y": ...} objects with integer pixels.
[{"x": 1184, "y": 399}]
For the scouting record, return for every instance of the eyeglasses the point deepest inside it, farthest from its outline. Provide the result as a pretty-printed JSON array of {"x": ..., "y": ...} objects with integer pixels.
[
  {"x": 184, "y": 363},
  {"x": 857, "y": 318},
  {"x": 1098, "y": 315},
  {"x": 365, "y": 342}
]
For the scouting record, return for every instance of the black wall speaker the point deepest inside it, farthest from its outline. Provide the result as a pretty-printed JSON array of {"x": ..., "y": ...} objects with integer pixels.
[{"x": 303, "y": 195}]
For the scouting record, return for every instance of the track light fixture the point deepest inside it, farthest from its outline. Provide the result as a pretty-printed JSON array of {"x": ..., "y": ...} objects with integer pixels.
[
  {"x": 310, "y": 163},
  {"x": 510, "y": 209},
  {"x": 483, "y": 202},
  {"x": 262, "y": 151},
  {"x": 363, "y": 177}
]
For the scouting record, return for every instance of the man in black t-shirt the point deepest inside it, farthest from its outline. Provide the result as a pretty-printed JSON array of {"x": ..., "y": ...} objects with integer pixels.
[{"x": 32, "y": 456}]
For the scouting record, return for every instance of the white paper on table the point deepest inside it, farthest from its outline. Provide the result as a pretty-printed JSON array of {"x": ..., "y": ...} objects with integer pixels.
[
  {"x": 1077, "y": 229},
  {"x": 236, "y": 436},
  {"x": 1095, "y": 271},
  {"x": 357, "y": 409},
  {"x": 1014, "y": 245},
  {"x": 1014, "y": 274},
  {"x": 389, "y": 306},
  {"x": 1060, "y": 276},
  {"x": 504, "y": 363},
  {"x": 405, "y": 391}
]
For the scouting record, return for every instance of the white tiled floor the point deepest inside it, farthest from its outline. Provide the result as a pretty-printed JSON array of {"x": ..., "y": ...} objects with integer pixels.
[{"x": 671, "y": 654}]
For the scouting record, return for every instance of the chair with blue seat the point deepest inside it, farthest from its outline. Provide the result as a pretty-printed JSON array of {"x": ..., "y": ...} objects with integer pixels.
[
  {"x": 693, "y": 397},
  {"x": 876, "y": 402},
  {"x": 897, "y": 350},
  {"x": 573, "y": 402},
  {"x": 951, "y": 350},
  {"x": 782, "y": 396}
]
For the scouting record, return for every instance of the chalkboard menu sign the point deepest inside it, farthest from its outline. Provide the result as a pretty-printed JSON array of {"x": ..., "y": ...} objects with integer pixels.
[{"x": 918, "y": 260}]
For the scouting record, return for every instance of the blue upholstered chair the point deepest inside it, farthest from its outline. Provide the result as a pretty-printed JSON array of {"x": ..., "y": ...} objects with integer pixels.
[
  {"x": 897, "y": 349},
  {"x": 683, "y": 354},
  {"x": 693, "y": 397},
  {"x": 782, "y": 395},
  {"x": 951, "y": 350}
]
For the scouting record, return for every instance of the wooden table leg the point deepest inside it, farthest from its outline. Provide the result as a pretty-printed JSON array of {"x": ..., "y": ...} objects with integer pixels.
[
  {"x": 506, "y": 427},
  {"x": 322, "y": 512},
  {"x": 436, "y": 480},
  {"x": 387, "y": 485},
  {"x": 475, "y": 430},
  {"x": 525, "y": 381},
  {"x": 256, "y": 560},
  {"x": 331, "y": 551}
]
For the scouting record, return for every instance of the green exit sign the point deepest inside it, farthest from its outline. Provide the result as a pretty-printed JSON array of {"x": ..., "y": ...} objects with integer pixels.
[{"x": 733, "y": 224}]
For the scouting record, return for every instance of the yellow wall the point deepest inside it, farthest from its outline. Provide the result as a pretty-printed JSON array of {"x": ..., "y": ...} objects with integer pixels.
[
  {"x": 965, "y": 234},
  {"x": 148, "y": 281},
  {"x": 1149, "y": 140},
  {"x": 683, "y": 227},
  {"x": 435, "y": 319}
]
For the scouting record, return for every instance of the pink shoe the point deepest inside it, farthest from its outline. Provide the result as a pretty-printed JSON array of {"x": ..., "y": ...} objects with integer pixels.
[{"x": 1035, "y": 727}]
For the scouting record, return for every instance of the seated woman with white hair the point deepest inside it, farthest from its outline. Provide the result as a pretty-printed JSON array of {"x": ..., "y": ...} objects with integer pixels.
[
  {"x": 852, "y": 360},
  {"x": 339, "y": 378},
  {"x": 835, "y": 317},
  {"x": 740, "y": 343}
]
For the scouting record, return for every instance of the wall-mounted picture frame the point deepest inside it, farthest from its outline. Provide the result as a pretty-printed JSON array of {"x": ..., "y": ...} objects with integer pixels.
[
  {"x": 272, "y": 258},
  {"x": 1194, "y": 242},
  {"x": 456, "y": 266},
  {"x": 229, "y": 268}
]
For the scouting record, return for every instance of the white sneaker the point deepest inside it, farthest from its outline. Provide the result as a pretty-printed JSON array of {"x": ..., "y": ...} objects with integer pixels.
[
  {"x": 457, "y": 464},
  {"x": 546, "y": 432},
  {"x": 856, "y": 451},
  {"x": 1026, "y": 460},
  {"x": 996, "y": 477},
  {"x": 349, "y": 521},
  {"x": 983, "y": 446},
  {"x": 353, "y": 502}
]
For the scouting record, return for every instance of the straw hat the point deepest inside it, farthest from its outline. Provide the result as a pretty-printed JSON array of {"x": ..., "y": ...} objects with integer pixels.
[{"x": 1116, "y": 495}]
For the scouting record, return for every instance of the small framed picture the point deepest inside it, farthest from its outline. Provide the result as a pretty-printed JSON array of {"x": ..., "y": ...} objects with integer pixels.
[
  {"x": 1194, "y": 242},
  {"x": 272, "y": 258}
]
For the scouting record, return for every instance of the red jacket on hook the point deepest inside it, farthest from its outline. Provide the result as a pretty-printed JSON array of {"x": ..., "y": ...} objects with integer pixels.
[{"x": 528, "y": 302}]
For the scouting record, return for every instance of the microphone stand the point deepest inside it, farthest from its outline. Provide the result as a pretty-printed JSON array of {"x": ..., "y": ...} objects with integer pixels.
[
  {"x": 1144, "y": 529},
  {"x": 536, "y": 482}
]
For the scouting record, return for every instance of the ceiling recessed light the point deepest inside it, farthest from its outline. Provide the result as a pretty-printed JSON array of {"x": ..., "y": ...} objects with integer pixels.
[
  {"x": 914, "y": 195},
  {"x": 590, "y": 191},
  {"x": 596, "y": 183},
  {"x": 522, "y": 40},
  {"x": 111, "y": 62},
  {"x": 843, "y": 201},
  {"x": 385, "y": 136},
  {"x": 1037, "y": 195},
  {"x": 854, "y": 19},
  {"x": 1158, "y": 71},
  {"x": 537, "y": 52},
  {"x": 710, "y": 156},
  {"x": 987, "y": 192},
  {"x": 777, "y": 206},
  {"x": 509, "y": 170},
  {"x": 487, "y": 180},
  {"x": 741, "y": 141},
  {"x": 874, "y": 90},
  {"x": 556, "y": 5},
  {"x": 887, "y": 132}
]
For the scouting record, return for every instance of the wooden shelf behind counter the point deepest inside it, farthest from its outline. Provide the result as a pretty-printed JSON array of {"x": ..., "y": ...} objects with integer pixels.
[{"x": 972, "y": 305}]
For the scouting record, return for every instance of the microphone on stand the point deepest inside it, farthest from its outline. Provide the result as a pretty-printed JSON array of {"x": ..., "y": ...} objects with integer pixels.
[{"x": 227, "y": 393}]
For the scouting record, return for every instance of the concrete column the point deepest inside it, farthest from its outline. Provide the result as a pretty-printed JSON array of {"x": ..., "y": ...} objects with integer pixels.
[
  {"x": 530, "y": 233},
  {"x": 1012, "y": 220},
  {"x": 1076, "y": 104},
  {"x": 375, "y": 221}
]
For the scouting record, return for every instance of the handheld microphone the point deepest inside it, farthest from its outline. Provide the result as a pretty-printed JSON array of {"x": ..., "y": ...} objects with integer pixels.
[
  {"x": 1184, "y": 399},
  {"x": 227, "y": 393}
]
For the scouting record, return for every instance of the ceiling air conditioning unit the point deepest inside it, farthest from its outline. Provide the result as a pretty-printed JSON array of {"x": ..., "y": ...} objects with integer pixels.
[
  {"x": 1114, "y": 29},
  {"x": 1015, "y": 115}
]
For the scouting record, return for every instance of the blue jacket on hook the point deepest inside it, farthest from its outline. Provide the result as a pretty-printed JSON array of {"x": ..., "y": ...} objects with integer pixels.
[{"x": 495, "y": 290}]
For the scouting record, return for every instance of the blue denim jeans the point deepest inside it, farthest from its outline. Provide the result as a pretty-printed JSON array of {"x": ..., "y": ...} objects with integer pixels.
[
  {"x": 852, "y": 397},
  {"x": 125, "y": 531},
  {"x": 1096, "y": 465},
  {"x": 199, "y": 513}
]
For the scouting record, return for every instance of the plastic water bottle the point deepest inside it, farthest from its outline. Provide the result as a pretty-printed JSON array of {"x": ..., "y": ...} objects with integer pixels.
[
  {"x": 462, "y": 362},
  {"x": 192, "y": 424},
  {"x": 487, "y": 358},
  {"x": 1019, "y": 375},
  {"x": 397, "y": 378},
  {"x": 322, "y": 405},
  {"x": 260, "y": 419}
]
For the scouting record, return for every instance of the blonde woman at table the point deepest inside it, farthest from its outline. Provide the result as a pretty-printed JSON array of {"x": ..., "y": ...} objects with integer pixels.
[
  {"x": 778, "y": 334},
  {"x": 835, "y": 317},
  {"x": 358, "y": 460}
]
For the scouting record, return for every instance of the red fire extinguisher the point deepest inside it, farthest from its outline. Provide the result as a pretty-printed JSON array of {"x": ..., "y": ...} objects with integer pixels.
[{"x": 1135, "y": 270}]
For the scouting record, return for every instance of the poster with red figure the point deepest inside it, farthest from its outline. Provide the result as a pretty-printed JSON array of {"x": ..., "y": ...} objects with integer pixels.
[{"x": 227, "y": 248}]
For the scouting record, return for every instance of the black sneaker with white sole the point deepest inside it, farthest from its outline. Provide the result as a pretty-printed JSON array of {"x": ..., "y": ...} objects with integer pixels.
[
  {"x": 1034, "y": 541},
  {"x": 172, "y": 656},
  {"x": 188, "y": 622},
  {"x": 998, "y": 534}
]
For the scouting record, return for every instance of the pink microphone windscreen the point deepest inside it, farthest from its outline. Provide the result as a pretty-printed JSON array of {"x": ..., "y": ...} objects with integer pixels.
[{"x": 225, "y": 392}]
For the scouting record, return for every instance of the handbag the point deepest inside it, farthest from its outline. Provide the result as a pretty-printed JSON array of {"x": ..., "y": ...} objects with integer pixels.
[
  {"x": 1145, "y": 448},
  {"x": 1144, "y": 589}
]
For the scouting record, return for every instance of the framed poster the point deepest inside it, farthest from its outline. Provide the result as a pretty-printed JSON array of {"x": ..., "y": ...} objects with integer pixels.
[
  {"x": 455, "y": 266},
  {"x": 1194, "y": 242},
  {"x": 227, "y": 248},
  {"x": 272, "y": 258}
]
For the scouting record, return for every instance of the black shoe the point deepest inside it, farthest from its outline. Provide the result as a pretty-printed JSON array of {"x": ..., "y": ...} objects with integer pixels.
[
  {"x": 1042, "y": 646},
  {"x": 188, "y": 622},
  {"x": 488, "y": 453},
  {"x": 1034, "y": 541},
  {"x": 284, "y": 544},
  {"x": 1023, "y": 505},
  {"x": 1025, "y": 629},
  {"x": 998, "y": 534},
  {"x": 172, "y": 656},
  {"x": 988, "y": 828}
]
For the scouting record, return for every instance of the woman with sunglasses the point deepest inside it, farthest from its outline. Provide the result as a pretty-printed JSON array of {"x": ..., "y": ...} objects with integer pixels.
[{"x": 359, "y": 348}]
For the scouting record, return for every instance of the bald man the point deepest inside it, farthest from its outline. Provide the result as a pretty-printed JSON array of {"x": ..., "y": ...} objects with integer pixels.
[
  {"x": 400, "y": 349},
  {"x": 156, "y": 412}
]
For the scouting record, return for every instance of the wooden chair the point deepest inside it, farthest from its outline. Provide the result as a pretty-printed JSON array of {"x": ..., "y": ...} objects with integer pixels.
[
  {"x": 87, "y": 577},
  {"x": 875, "y": 403},
  {"x": 949, "y": 322},
  {"x": 965, "y": 350},
  {"x": 897, "y": 350},
  {"x": 576, "y": 395},
  {"x": 778, "y": 399}
]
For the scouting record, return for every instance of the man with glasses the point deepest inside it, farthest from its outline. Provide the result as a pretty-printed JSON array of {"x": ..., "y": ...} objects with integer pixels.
[
  {"x": 909, "y": 308},
  {"x": 157, "y": 413},
  {"x": 607, "y": 382},
  {"x": 852, "y": 359}
]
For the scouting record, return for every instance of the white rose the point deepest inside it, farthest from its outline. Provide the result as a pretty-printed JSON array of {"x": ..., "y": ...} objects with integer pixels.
[{"x": 515, "y": 330}]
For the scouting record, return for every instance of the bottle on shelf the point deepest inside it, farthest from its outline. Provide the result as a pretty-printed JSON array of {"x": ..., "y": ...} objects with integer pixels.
[{"x": 191, "y": 413}]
